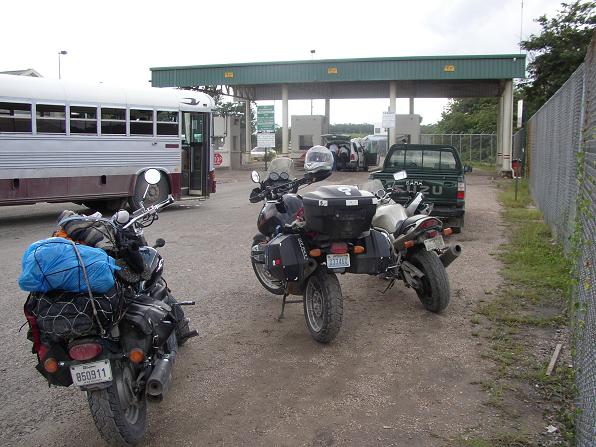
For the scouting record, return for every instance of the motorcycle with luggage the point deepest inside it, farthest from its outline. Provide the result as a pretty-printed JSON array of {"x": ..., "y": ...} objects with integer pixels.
[{"x": 117, "y": 342}]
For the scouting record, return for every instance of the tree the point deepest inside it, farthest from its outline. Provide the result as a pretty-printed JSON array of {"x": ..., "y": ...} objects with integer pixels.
[
  {"x": 469, "y": 115},
  {"x": 557, "y": 51}
]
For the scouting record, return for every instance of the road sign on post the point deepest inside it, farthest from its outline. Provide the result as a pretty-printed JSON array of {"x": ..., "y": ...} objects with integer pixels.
[
  {"x": 265, "y": 119},
  {"x": 388, "y": 120}
]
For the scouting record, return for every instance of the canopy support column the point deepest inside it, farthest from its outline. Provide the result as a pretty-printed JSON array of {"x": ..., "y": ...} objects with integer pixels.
[
  {"x": 411, "y": 106},
  {"x": 507, "y": 127},
  {"x": 247, "y": 128},
  {"x": 328, "y": 114},
  {"x": 392, "y": 108},
  {"x": 284, "y": 118}
]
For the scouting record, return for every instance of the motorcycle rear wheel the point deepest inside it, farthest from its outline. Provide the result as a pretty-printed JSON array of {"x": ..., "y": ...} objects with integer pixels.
[
  {"x": 267, "y": 281},
  {"x": 119, "y": 411},
  {"x": 435, "y": 292},
  {"x": 323, "y": 305}
]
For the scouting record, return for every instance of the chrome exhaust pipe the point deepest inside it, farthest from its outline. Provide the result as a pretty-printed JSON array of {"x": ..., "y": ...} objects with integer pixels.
[
  {"x": 450, "y": 255},
  {"x": 160, "y": 379}
]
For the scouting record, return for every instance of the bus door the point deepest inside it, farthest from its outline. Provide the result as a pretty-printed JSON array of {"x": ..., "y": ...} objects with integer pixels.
[{"x": 194, "y": 153}]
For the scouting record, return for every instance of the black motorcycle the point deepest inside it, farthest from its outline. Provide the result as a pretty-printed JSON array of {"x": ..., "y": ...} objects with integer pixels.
[
  {"x": 304, "y": 241},
  {"x": 119, "y": 347}
]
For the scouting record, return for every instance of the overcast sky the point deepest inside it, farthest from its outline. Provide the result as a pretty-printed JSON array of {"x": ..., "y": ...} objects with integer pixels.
[{"x": 118, "y": 41}]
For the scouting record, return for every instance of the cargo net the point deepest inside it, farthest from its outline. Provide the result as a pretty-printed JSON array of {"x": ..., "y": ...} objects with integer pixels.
[{"x": 67, "y": 314}]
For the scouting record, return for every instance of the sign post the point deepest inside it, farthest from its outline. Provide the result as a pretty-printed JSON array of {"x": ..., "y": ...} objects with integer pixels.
[
  {"x": 388, "y": 122},
  {"x": 266, "y": 129}
]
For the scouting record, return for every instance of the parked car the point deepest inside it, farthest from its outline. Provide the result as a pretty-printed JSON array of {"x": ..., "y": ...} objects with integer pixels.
[
  {"x": 350, "y": 154},
  {"x": 258, "y": 153},
  {"x": 434, "y": 170}
]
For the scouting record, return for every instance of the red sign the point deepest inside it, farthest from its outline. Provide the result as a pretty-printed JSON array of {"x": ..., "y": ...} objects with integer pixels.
[{"x": 218, "y": 159}]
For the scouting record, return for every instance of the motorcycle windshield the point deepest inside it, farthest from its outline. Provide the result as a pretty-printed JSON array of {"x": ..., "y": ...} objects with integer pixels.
[
  {"x": 372, "y": 186},
  {"x": 279, "y": 165}
]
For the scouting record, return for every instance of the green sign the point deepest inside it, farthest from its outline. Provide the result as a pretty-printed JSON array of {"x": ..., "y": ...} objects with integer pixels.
[{"x": 265, "y": 119}]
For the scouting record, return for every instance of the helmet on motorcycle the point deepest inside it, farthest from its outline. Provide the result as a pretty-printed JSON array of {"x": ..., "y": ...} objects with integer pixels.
[{"x": 318, "y": 158}]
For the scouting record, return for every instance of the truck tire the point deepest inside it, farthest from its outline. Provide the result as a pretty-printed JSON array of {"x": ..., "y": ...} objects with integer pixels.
[
  {"x": 435, "y": 292},
  {"x": 323, "y": 305}
]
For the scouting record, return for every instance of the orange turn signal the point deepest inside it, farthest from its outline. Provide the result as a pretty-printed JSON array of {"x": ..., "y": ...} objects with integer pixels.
[
  {"x": 358, "y": 249},
  {"x": 136, "y": 355},
  {"x": 315, "y": 252},
  {"x": 447, "y": 231},
  {"x": 409, "y": 244},
  {"x": 50, "y": 365}
]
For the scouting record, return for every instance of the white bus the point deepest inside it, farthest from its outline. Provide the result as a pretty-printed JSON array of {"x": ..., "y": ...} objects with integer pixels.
[{"x": 69, "y": 142}]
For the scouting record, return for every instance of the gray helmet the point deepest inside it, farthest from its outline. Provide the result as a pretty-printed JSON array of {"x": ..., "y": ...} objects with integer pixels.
[{"x": 318, "y": 158}]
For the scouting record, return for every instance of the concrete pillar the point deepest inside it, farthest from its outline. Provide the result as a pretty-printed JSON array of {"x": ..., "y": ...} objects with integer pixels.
[
  {"x": 392, "y": 108},
  {"x": 284, "y": 118},
  {"x": 499, "y": 155},
  {"x": 507, "y": 127},
  {"x": 328, "y": 114},
  {"x": 247, "y": 130},
  {"x": 411, "y": 106}
]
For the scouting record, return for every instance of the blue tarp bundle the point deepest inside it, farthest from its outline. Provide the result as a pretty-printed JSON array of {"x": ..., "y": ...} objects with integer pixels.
[{"x": 52, "y": 264}]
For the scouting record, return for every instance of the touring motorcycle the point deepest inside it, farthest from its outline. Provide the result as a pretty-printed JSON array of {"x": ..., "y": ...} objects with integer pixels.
[
  {"x": 304, "y": 241},
  {"x": 118, "y": 347}
]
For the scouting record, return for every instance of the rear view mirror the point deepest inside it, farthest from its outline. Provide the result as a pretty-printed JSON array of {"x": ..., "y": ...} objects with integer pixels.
[
  {"x": 400, "y": 175},
  {"x": 152, "y": 176},
  {"x": 255, "y": 177}
]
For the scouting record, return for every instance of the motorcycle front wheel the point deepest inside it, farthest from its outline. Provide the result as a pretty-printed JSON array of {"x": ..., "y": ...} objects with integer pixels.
[
  {"x": 323, "y": 305},
  {"x": 435, "y": 292},
  {"x": 120, "y": 411},
  {"x": 271, "y": 284}
]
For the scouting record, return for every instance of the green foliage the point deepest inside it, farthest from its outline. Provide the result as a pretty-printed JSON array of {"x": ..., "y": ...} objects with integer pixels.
[
  {"x": 557, "y": 51},
  {"x": 469, "y": 115},
  {"x": 352, "y": 129}
]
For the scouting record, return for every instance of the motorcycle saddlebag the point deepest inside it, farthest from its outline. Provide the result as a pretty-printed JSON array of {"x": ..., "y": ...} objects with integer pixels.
[
  {"x": 285, "y": 258},
  {"x": 339, "y": 211},
  {"x": 152, "y": 317},
  {"x": 376, "y": 257}
]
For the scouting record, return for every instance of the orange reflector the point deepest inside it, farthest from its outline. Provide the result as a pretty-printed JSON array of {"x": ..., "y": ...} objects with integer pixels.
[
  {"x": 409, "y": 244},
  {"x": 315, "y": 252},
  {"x": 447, "y": 231},
  {"x": 358, "y": 249},
  {"x": 136, "y": 355},
  {"x": 51, "y": 365}
]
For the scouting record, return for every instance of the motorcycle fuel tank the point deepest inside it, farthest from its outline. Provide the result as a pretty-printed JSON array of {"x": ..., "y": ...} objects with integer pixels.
[
  {"x": 274, "y": 215},
  {"x": 388, "y": 216}
]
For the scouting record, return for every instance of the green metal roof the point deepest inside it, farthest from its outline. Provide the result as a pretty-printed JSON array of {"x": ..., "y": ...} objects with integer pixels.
[{"x": 425, "y": 68}]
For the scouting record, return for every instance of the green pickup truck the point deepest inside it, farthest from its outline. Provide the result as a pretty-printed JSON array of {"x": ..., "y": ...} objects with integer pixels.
[{"x": 434, "y": 170}]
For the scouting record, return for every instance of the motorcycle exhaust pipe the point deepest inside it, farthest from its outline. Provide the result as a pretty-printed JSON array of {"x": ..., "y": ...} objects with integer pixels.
[
  {"x": 450, "y": 255},
  {"x": 160, "y": 379}
]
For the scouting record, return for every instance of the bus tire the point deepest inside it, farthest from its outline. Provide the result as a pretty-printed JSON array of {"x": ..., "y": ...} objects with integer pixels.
[
  {"x": 106, "y": 207},
  {"x": 155, "y": 194}
]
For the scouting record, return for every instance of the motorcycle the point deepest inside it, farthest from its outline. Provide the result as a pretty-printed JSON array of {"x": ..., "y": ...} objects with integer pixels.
[
  {"x": 305, "y": 241},
  {"x": 118, "y": 347},
  {"x": 419, "y": 255}
]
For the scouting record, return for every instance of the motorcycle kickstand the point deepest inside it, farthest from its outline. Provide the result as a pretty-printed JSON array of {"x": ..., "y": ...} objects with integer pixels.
[{"x": 283, "y": 306}]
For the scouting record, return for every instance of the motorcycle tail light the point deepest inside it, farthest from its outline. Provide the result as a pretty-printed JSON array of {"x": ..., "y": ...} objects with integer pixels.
[
  {"x": 50, "y": 365},
  {"x": 338, "y": 248},
  {"x": 428, "y": 223},
  {"x": 85, "y": 351}
]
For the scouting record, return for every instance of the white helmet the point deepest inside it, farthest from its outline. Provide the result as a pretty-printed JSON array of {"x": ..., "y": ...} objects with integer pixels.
[{"x": 318, "y": 158}]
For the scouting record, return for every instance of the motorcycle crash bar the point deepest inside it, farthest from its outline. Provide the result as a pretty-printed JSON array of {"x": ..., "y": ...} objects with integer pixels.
[{"x": 450, "y": 255}]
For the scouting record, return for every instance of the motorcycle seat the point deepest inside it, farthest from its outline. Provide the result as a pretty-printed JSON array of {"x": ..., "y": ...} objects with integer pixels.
[{"x": 402, "y": 225}]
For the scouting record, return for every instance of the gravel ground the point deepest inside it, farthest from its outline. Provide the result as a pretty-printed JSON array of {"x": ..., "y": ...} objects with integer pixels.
[{"x": 396, "y": 374}]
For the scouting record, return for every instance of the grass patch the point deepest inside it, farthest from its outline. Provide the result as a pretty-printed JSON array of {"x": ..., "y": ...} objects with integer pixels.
[
  {"x": 482, "y": 166},
  {"x": 535, "y": 295}
]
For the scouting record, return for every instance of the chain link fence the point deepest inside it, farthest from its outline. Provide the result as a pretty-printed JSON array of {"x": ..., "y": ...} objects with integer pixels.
[
  {"x": 561, "y": 153},
  {"x": 471, "y": 147}
]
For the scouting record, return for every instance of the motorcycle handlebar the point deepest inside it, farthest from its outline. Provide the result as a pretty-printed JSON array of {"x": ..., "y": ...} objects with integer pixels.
[
  {"x": 270, "y": 192},
  {"x": 153, "y": 209}
]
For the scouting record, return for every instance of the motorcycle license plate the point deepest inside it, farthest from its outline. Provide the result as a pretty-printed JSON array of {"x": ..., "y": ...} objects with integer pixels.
[
  {"x": 338, "y": 261},
  {"x": 436, "y": 243},
  {"x": 90, "y": 373}
]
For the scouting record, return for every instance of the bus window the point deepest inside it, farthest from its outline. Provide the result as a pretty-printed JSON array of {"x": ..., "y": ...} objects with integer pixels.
[
  {"x": 113, "y": 121},
  {"x": 50, "y": 118},
  {"x": 141, "y": 122},
  {"x": 83, "y": 120},
  {"x": 167, "y": 123},
  {"x": 15, "y": 117}
]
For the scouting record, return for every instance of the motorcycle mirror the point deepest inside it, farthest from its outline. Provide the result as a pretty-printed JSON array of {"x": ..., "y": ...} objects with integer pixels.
[
  {"x": 381, "y": 193},
  {"x": 255, "y": 177},
  {"x": 152, "y": 176},
  {"x": 159, "y": 243},
  {"x": 400, "y": 175}
]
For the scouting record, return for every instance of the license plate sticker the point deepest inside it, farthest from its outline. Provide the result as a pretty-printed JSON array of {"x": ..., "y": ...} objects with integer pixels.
[
  {"x": 436, "y": 243},
  {"x": 90, "y": 373},
  {"x": 338, "y": 261}
]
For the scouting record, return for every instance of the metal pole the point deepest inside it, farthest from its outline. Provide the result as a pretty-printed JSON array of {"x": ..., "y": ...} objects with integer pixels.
[{"x": 470, "y": 148}]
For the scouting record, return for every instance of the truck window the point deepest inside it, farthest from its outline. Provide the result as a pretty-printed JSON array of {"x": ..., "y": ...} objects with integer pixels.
[{"x": 426, "y": 159}]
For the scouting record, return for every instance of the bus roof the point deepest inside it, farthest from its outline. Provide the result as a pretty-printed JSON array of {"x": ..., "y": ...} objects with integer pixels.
[{"x": 26, "y": 88}]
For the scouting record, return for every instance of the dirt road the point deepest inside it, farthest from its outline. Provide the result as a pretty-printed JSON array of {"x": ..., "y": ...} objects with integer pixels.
[{"x": 395, "y": 376}]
